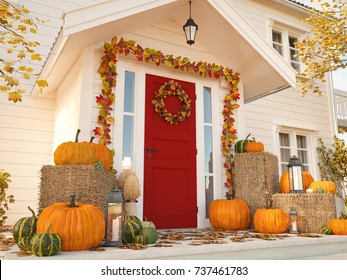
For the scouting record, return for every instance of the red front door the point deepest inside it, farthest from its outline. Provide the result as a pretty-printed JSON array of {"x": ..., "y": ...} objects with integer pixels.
[{"x": 170, "y": 167}]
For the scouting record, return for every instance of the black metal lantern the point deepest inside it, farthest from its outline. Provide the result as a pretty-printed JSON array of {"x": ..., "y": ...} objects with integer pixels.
[
  {"x": 295, "y": 177},
  {"x": 293, "y": 220},
  {"x": 115, "y": 218},
  {"x": 190, "y": 28}
]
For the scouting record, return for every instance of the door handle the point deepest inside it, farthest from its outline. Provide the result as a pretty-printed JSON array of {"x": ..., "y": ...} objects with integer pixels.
[{"x": 149, "y": 149}]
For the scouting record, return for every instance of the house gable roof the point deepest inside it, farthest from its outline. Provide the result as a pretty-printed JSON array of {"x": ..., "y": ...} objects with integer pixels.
[{"x": 236, "y": 44}]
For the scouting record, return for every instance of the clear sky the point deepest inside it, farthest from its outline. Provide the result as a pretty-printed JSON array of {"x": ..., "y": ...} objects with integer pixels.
[{"x": 340, "y": 76}]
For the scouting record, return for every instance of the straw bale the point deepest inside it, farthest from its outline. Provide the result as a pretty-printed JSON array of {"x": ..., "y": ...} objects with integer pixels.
[
  {"x": 314, "y": 209},
  {"x": 256, "y": 179},
  {"x": 90, "y": 185}
]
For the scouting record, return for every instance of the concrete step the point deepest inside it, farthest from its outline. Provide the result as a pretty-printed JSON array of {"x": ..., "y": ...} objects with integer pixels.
[{"x": 289, "y": 248}]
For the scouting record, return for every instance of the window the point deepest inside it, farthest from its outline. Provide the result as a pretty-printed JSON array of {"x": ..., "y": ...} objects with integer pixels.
[
  {"x": 293, "y": 143},
  {"x": 208, "y": 151},
  {"x": 283, "y": 43},
  {"x": 128, "y": 119}
]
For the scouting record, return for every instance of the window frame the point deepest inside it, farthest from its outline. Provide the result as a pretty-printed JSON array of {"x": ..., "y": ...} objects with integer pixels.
[
  {"x": 286, "y": 32},
  {"x": 293, "y": 133}
]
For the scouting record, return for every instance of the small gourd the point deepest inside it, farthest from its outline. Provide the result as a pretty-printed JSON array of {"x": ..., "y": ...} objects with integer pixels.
[
  {"x": 45, "y": 244},
  {"x": 140, "y": 239},
  {"x": 326, "y": 230},
  {"x": 240, "y": 146},
  {"x": 25, "y": 226},
  {"x": 24, "y": 244},
  {"x": 150, "y": 232},
  {"x": 131, "y": 228}
]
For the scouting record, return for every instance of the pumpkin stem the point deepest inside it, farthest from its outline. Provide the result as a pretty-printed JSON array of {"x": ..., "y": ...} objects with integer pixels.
[
  {"x": 91, "y": 139},
  {"x": 32, "y": 211},
  {"x": 77, "y": 133},
  {"x": 72, "y": 201},
  {"x": 249, "y": 134}
]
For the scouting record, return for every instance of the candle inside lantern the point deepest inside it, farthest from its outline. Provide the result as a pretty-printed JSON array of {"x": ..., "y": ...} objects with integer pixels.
[
  {"x": 115, "y": 229},
  {"x": 294, "y": 226}
]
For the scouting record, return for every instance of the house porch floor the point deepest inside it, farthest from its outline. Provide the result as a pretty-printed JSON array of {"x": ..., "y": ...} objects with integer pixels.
[{"x": 210, "y": 244}]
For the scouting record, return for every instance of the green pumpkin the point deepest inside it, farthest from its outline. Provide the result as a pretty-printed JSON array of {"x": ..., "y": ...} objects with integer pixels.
[
  {"x": 326, "y": 230},
  {"x": 131, "y": 228},
  {"x": 99, "y": 165},
  {"x": 24, "y": 243},
  {"x": 150, "y": 232},
  {"x": 140, "y": 239},
  {"x": 25, "y": 227},
  {"x": 45, "y": 244},
  {"x": 240, "y": 146}
]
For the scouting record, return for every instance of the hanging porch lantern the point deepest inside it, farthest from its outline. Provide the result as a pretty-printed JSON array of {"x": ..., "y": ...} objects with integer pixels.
[
  {"x": 115, "y": 218},
  {"x": 295, "y": 177},
  {"x": 190, "y": 28}
]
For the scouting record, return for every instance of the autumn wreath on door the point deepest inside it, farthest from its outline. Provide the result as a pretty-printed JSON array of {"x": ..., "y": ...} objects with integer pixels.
[{"x": 171, "y": 88}]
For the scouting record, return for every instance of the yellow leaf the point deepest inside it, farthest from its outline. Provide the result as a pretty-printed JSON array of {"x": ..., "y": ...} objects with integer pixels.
[
  {"x": 26, "y": 76},
  {"x": 42, "y": 83},
  {"x": 36, "y": 56},
  {"x": 21, "y": 54},
  {"x": 14, "y": 96}
]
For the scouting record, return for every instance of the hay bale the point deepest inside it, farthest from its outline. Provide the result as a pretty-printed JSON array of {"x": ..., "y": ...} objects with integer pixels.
[
  {"x": 256, "y": 179},
  {"x": 314, "y": 209},
  {"x": 89, "y": 184}
]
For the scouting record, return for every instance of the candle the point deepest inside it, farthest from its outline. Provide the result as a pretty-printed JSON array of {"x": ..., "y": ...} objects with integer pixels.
[
  {"x": 115, "y": 229},
  {"x": 294, "y": 226}
]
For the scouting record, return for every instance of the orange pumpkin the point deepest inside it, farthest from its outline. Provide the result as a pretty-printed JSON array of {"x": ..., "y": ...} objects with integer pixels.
[
  {"x": 102, "y": 154},
  {"x": 74, "y": 152},
  {"x": 270, "y": 221},
  {"x": 284, "y": 181},
  {"x": 81, "y": 226},
  {"x": 231, "y": 214},
  {"x": 254, "y": 147},
  {"x": 338, "y": 226},
  {"x": 327, "y": 186}
]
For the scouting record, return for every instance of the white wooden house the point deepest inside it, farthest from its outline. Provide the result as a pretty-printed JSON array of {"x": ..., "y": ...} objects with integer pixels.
[{"x": 254, "y": 38}]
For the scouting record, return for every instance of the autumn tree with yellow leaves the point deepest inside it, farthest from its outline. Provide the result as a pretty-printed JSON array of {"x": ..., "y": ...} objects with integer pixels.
[
  {"x": 15, "y": 26},
  {"x": 326, "y": 49}
]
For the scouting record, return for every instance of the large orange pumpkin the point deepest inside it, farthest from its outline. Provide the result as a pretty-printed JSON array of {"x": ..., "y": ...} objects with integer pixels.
[
  {"x": 327, "y": 186},
  {"x": 270, "y": 221},
  {"x": 231, "y": 214},
  {"x": 284, "y": 181},
  {"x": 81, "y": 226},
  {"x": 75, "y": 152}
]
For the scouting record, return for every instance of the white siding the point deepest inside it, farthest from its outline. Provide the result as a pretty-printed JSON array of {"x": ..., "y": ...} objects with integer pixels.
[
  {"x": 27, "y": 128},
  {"x": 68, "y": 106},
  {"x": 26, "y": 133}
]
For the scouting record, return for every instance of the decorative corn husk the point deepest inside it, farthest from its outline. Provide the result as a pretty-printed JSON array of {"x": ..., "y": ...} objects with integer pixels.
[
  {"x": 123, "y": 176},
  {"x": 131, "y": 190}
]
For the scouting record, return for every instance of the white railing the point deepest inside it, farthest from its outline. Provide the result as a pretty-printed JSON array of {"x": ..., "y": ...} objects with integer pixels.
[{"x": 341, "y": 105}]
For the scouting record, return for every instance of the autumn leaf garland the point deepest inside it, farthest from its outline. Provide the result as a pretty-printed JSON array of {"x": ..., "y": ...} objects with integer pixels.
[{"x": 108, "y": 74}]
